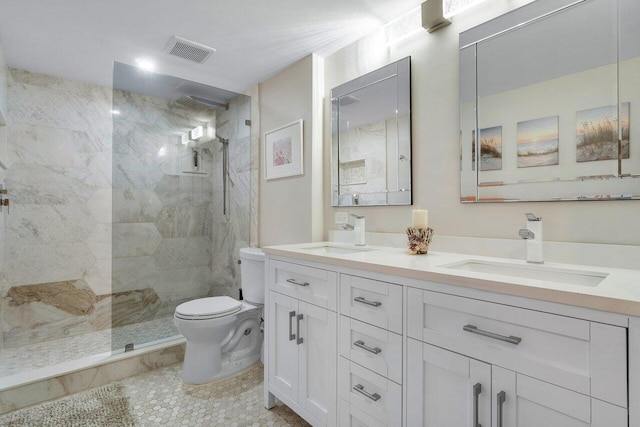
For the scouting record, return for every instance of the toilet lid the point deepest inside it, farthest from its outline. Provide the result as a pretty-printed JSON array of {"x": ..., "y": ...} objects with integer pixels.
[{"x": 208, "y": 308}]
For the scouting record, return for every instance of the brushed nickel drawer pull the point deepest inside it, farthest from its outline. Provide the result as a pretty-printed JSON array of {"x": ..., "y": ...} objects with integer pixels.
[
  {"x": 364, "y": 301},
  {"x": 501, "y": 398},
  {"x": 474, "y": 330},
  {"x": 297, "y": 283},
  {"x": 362, "y": 345},
  {"x": 477, "y": 389},
  {"x": 292, "y": 336},
  {"x": 299, "y": 317},
  {"x": 360, "y": 389}
]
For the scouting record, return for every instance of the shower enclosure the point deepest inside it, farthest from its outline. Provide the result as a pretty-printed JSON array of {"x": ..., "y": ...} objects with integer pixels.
[{"x": 125, "y": 202}]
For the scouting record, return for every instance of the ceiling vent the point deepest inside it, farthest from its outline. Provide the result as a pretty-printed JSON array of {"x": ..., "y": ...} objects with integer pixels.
[{"x": 189, "y": 50}]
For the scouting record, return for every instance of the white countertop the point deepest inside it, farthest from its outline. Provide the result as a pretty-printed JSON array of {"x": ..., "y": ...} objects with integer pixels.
[{"x": 619, "y": 292}]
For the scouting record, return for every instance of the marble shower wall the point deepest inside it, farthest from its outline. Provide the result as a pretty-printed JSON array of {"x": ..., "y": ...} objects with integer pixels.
[
  {"x": 104, "y": 234},
  {"x": 171, "y": 240},
  {"x": 4, "y": 74},
  {"x": 57, "y": 248},
  {"x": 231, "y": 232},
  {"x": 162, "y": 219}
]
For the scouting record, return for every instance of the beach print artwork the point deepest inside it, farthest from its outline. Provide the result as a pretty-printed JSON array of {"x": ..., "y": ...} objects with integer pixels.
[
  {"x": 538, "y": 142},
  {"x": 597, "y": 133},
  {"x": 490, "y": 149},
  {"x": 282, "y": 152}
]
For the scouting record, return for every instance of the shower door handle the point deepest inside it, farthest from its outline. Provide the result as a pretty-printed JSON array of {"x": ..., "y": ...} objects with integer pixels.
[{"x": 292, "y": 336}]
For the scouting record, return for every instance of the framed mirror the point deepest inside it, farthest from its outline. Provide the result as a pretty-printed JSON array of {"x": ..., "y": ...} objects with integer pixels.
[
  {"x": 548, "y": 103},
  {"x": 371, "y": 138}
]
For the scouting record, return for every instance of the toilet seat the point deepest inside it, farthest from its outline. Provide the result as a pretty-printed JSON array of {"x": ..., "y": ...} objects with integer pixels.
[{"x": 208, "y": 308}]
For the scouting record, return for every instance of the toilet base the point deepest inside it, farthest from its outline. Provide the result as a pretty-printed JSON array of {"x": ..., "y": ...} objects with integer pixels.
[
  {"x": 227, "y": 369},
  {"x": 206, "y": 361}
]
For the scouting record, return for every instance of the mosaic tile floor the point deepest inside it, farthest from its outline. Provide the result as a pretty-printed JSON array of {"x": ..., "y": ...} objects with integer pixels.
[
  {"x": 26, "y": 358},
  {"x": 160, "y": 398}
]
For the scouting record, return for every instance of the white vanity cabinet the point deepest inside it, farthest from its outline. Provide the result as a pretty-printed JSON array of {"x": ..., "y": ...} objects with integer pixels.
[
  {"x": 301, "y": 341},
  {"x": 384, "y": 350},
  {"x": 530, "y": 366},
  {"x": 370, "y": 345}
]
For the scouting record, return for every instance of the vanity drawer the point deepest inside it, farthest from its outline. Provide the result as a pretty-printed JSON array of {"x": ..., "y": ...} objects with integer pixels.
[
  {"x": 372, "y": 347},
  {"x": 584, "y": 356},
  {"x": 369, "y": 392},
  {"x": 371, "y": 301},
  {"x": 352, "y": 416},
  {"x": 313, "y": 285}
]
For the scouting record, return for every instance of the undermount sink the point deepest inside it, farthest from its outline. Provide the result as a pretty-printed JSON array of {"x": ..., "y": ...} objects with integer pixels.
[
  {"x": 329, "y": 249},
  {"x": 537, "y": 272}
]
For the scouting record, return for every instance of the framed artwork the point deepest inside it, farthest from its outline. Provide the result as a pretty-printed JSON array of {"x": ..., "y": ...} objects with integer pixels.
[
  {"x": 283, "y": 151},
  {"x": 490, "y": 149},
  {"x": 597, "y": 133},
  {"x": 538, "y": 142}
]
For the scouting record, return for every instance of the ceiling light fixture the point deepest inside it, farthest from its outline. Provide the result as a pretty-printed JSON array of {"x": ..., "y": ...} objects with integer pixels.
[{"x": 145, "y": 64}]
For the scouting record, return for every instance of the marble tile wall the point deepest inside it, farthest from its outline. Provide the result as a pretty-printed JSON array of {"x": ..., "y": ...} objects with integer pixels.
[
  {"x": 161, "y": 216},
  {"x": 4, "y": 74},
  {"x": 57, "y": 245},
  {"x": 171, "y": 240},
  {"x": 106, "y": 229}
]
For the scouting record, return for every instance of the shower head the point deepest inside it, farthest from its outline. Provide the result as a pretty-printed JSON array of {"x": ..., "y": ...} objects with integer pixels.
[{"x": 198, "y": 104}]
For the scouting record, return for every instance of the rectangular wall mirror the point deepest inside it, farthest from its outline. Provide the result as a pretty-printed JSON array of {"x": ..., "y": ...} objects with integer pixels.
[
  {"x": 550, "y": 102},
  {"x": 371, "y": 138}
]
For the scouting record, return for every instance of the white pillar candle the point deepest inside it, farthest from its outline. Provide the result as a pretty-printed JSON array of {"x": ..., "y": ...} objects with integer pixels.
[{"x": 420, "y": 218}]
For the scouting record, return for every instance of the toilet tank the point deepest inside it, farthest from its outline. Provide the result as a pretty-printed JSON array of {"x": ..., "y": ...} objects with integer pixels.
[{"x": 252, "y": 273}]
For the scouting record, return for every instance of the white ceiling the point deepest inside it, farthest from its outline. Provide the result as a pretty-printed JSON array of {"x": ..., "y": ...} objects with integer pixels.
[{"x": 81, "y": 39}]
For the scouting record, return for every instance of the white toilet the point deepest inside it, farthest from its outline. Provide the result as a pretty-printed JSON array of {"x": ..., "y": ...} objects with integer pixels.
[{"x": 223, "y": 334}]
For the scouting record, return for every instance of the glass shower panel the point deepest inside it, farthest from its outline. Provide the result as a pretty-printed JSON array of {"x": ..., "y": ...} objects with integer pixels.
[{"x": 180, "y": 213}]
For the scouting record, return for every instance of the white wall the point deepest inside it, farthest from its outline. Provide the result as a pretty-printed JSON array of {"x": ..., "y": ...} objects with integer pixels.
[
  {"x": 291, "y": 208},
  {"x": 436, "y": 174}
]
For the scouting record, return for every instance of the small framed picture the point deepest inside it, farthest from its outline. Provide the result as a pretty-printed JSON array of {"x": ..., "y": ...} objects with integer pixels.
[{"x": 283, "y": 151}]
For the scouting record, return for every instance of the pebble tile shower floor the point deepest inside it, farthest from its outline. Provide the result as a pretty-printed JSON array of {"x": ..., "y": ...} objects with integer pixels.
[
  {"x": 48, "y": 353},
  {"x": 160, "y": 398}
]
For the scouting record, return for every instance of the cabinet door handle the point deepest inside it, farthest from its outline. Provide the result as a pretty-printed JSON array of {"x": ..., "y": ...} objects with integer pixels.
[
  {"x": 362, "y": 345},
  {"x": 477, "y": 389},
  {"x": 474, "y": 330},
  {"x": 298, "y": 319},
  {"x": 297, "y": 283},
  {"x": 292, "y": 336},
  {"x": 360, "y": 389},
  {"x": 501, "y": 397},
  {"x": 364, "y": 301}
]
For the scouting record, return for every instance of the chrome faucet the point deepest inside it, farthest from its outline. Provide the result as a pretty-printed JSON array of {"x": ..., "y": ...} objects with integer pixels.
[
  {"x": 533, "y": 235},
  {"x": 358, "y": 228}
]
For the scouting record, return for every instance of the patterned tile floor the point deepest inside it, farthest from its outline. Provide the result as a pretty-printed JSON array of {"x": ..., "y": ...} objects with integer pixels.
[
  {"x": 48, "y": 353},
  {"x": 161, "y": 398}
]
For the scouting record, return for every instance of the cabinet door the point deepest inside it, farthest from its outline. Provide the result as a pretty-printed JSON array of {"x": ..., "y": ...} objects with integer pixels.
[
  {"x": 446, "y": 389},
  {"x": 317, "y": 358},
  {"x": 283, "y": 351},
  {"x": 528, "y": 402}
]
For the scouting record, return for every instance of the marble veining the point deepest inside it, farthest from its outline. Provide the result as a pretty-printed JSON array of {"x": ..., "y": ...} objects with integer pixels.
[{"x": 105, "y": 229}]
